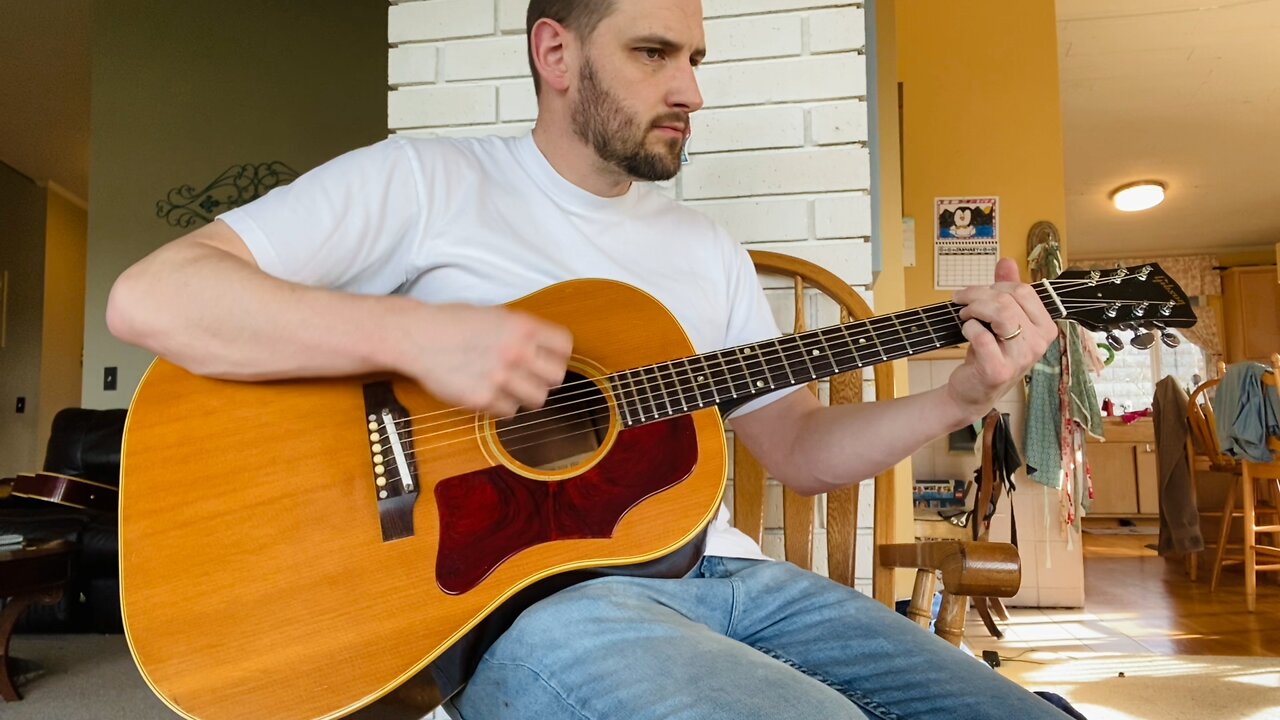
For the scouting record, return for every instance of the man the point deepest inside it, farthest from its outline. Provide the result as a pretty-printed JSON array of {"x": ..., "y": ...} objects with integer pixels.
[{"x": 394, "y": 258}]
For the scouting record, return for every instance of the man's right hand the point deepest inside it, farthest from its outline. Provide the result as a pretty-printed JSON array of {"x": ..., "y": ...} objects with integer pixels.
[{"x": 488, "y": 359}]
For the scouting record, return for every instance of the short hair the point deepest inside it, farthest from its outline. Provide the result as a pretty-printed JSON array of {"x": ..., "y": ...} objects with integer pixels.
[{"x": 580, "y": 16}]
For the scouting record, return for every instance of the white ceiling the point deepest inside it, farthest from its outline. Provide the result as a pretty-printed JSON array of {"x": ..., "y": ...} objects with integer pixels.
[
  {"x": 1183, "y": 91},
  {"x": 44, "y": 90}
]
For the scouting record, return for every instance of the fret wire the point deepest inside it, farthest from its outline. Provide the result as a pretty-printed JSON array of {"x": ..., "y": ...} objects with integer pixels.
[
  {"x": 862, "y": 341},
  {"x": 804, "y": 355},
  {"x": 685, "y": 376},
  {"x": 653, "y": 397},
  {"x": 706, "y": 372},
  {"x": 799, "y": 365},
  {"x": 691, "y": 376},
  {"x": 662, "y": 389},
  {"x": 782, "y": 354},
  {"x": 929, "y": 326},
  {"x": 675, "y": 380},
  {"x": 831, "y": 356},
  {"x": 901, "y": 332},
  {"x": 747, "y": 369},
  {"x": 728, "y": 374},
  {"x": 758, "y": 358},
  {"x": 620, "y": 397},
  {"x": 623, "y": 386}
]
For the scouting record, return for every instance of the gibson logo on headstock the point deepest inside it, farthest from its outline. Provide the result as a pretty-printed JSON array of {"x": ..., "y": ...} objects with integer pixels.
[{"x": 1170, "y": 287}]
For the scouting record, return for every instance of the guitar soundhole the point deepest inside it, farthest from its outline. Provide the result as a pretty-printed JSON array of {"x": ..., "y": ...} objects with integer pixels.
[{"x": 564, "y": 433}]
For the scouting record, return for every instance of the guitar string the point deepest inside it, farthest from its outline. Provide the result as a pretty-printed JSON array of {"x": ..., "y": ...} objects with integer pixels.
[
  {"x": 562, "y": 416},
  {"x": 933, "y": 311},
  {"x": 668, "y": 370},
  {"x": 510, "y": 449},
  {"x": 468, "y": 425}
]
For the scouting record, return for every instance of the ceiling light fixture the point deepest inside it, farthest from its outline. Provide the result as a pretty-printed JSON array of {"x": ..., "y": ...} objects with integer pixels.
[{"x": 1137, "y": 196}]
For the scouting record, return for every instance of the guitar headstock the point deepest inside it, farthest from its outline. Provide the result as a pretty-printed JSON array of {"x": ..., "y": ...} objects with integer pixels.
[{"x": 1141, "y": 299}]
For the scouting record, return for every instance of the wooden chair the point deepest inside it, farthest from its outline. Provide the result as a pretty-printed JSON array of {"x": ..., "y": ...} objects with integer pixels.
[
  {"x": 967, "y": 568},
  {"x": 1204, "y": 453}
]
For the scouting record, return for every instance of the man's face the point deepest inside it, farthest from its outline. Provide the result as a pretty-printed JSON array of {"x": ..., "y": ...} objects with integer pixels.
[{"x": 636, "y": 87}]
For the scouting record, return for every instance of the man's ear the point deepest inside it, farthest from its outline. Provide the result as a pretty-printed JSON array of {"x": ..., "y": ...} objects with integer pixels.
[{"x": 549, "y": 43}]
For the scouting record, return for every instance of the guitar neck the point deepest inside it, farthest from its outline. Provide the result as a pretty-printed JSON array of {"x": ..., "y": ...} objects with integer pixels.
[{"x": 727, "y": 378}]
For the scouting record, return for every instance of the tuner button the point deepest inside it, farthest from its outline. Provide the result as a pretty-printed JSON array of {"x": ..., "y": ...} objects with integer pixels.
[
  {"x": 1170, "y": 340},
  {"x": 1143, "y": 340},
  {"x": 1115, "y": 342}
]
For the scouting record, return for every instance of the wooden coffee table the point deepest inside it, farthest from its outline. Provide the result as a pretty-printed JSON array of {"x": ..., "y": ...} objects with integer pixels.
[{"x": 28, "y": 576}]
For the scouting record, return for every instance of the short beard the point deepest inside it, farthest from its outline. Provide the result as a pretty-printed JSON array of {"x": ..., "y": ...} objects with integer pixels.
[{"x": 601, "y": 120}]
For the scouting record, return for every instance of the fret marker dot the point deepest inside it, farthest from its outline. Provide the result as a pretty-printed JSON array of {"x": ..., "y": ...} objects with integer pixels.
[
  {"x": 759, "y": 383},
  {"x": 863, "y": 341},
  {"x": 701, "y": 378},
  {"x": 816, "y": 353}
]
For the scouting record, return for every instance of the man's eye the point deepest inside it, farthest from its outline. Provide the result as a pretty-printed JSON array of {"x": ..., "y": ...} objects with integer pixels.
[{"x": 652, "y": 53}]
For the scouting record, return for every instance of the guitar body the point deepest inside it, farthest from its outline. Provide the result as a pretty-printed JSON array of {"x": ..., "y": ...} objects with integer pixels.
[{"x": 262, "y": 575}]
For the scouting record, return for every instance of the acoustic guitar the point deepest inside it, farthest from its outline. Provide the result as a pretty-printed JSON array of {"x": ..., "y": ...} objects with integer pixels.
[
  {"x": 301, "y": 549},
  {"x": 61, "y": 489}
]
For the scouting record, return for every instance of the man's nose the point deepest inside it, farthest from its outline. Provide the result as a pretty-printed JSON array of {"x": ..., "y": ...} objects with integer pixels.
[{"x": 686, "y": 95}]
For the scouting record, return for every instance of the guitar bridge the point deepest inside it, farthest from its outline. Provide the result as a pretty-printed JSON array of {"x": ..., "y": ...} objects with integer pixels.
[{"x": 393, "y": 465}]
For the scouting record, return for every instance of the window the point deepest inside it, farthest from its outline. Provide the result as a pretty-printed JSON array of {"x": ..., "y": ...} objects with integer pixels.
[{"x": 1130, "y": 380}]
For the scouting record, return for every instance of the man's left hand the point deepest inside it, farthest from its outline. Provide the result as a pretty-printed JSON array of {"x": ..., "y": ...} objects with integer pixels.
[{"x": 1008, "y": 330}]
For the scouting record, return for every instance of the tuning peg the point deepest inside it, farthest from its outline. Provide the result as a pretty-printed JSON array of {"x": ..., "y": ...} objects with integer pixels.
[
  {"x": 1114, "y": 341},
  {"x": 1143, "y": 339},
  {"x": 1170, "y": 340}
]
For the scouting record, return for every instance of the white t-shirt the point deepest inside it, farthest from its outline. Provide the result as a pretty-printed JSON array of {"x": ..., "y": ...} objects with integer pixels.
[{"x": 488, "y": 220}]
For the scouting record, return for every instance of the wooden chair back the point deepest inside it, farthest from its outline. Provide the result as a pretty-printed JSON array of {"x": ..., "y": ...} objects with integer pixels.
[
  {"x": 1203, "y": 430},
  {"x": 749, "y": 486}
]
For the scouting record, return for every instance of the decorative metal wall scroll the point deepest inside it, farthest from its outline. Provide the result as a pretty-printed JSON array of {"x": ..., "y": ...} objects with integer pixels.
[{"x": 236, "y": 186}]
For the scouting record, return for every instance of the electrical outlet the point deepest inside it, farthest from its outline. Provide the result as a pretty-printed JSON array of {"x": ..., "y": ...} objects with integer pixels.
[{"x": 109, "y": 379}]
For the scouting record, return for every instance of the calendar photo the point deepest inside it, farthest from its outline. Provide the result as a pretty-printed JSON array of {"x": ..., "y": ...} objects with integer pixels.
[{"x": 966, "y": 241}]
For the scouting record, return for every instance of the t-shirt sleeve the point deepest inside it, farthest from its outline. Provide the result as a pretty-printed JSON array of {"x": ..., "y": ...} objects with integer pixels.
[
  {"x": 751, "y": 319},
  {"x": 349, "y": 224}
]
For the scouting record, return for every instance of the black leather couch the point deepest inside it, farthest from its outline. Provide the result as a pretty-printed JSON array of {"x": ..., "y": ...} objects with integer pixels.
[{"x": 85, "y": 444}]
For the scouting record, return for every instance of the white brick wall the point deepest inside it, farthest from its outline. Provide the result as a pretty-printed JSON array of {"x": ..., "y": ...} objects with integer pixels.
[{"x": 779, "y": 154}]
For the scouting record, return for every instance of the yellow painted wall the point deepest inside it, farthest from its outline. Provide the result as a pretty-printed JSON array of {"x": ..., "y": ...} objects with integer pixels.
[
  {"x": 62, "y": 343},
  {"x": 981, "y": 116}
]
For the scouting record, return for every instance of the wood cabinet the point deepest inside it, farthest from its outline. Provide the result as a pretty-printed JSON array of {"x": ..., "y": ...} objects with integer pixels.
[
  {"x": 1251, "y": 313},
  {"x": 1125, "y": 478}
]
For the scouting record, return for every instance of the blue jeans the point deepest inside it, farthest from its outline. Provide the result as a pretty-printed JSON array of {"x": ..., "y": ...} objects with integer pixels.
[{"x": 739, "y": 639}]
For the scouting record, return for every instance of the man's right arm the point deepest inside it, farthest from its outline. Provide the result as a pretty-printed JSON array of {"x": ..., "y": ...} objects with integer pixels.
[{"x": 201, "y": 302}]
